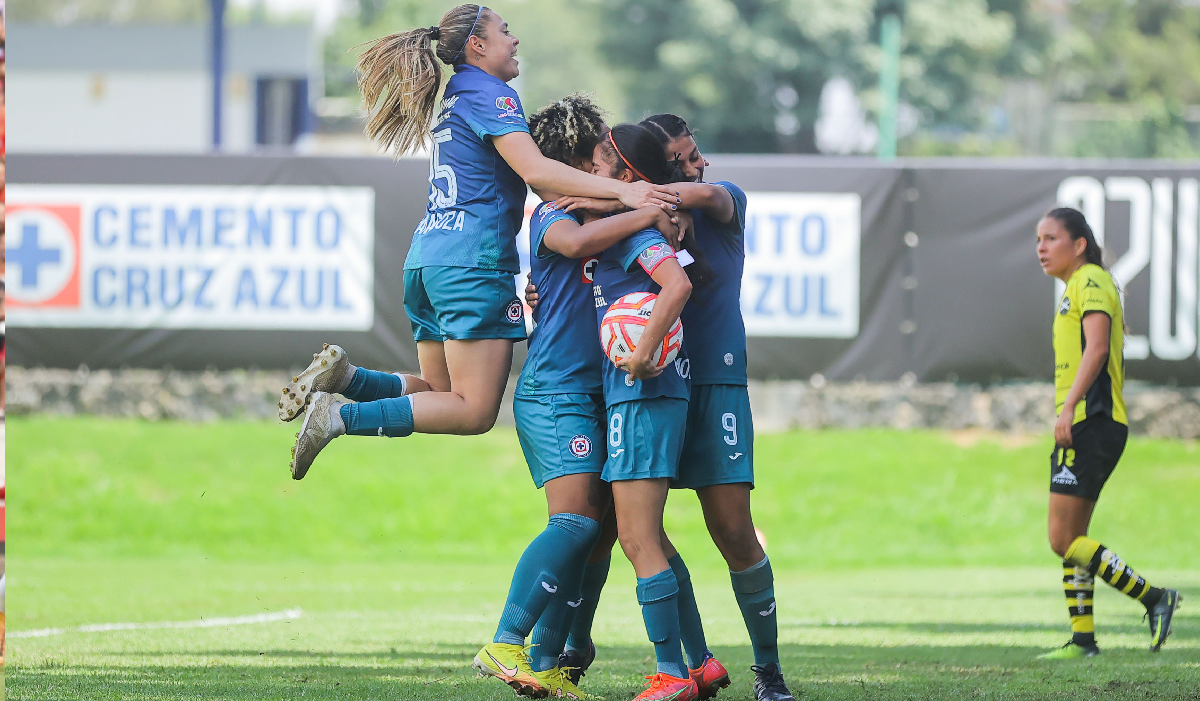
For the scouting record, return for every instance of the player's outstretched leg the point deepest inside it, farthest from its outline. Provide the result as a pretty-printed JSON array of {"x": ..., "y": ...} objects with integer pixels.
[
  {"x": 327, "y": 419},
  {"x": 727, "y": 515},
  {"x": 1098, "y": 560}
]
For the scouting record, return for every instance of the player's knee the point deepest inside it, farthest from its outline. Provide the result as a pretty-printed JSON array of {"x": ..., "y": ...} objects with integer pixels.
[
  {"x": 478, "y": 420},
  {"x": 1060, "y": 543}
]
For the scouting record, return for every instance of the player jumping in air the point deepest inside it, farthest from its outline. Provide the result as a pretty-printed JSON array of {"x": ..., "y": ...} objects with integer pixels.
[
  {"x": 458, "y": 291},
  {"x": 560, "y": 414},
  {"x": 1090, "y": 433},
  {"x": 718, "y": 450}
]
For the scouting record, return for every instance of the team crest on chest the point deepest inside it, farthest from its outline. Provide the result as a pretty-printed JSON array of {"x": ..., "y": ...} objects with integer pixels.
[
  {"x": 1065, "y": 306},
  {"x": 589, "y": 270},
  {"x": 580, "y": 446}
]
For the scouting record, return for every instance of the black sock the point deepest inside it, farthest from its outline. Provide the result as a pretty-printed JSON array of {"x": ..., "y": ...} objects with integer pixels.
[
  {"x": 1152, "y": 597},
  {"x": 1084, "y": 639}
]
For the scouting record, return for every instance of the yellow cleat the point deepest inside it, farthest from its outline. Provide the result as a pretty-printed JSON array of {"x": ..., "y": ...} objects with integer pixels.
[
  {"x": 510, "y": 664},
  {"x": 1070, "y": 651},
  {"x": 559, "y": 685}
]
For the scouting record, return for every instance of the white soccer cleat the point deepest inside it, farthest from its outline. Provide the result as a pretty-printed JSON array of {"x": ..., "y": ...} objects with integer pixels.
[
  {"x": 326, "y": 373},
  {"x": 315, "y": 433}
]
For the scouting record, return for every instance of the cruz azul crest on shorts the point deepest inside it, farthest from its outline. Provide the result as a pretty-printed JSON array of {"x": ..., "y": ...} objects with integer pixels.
[
  {"x": 581, "y": 446},
  {"x": 514, "y": 314},
  {"x": 510, "y": 107}
]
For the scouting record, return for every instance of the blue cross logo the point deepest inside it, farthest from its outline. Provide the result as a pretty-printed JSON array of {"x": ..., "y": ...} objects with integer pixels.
[{"x": 30, "y": 256}]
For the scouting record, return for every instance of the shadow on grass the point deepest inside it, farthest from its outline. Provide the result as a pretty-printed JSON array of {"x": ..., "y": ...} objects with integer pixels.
[{"x": 820, "y": 672}]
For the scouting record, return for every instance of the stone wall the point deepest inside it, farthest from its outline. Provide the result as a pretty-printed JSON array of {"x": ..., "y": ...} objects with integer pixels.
[{"x": 250, "y": 394}]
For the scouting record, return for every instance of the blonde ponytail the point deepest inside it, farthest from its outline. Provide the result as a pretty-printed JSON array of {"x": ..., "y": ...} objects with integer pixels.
[{"x": 399, "y": 76}]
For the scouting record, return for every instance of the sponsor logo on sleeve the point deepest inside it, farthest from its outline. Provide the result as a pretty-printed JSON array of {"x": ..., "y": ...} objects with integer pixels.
[
  {"x": 652, "y": 256},
  {"x": 509, "y": 108}
]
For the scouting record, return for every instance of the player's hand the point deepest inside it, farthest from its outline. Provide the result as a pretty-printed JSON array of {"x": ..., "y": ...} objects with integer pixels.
[
  {"x": 644, "y": 194},
  {"x": 686, "y": 224},
  {"x": 1062, "y": 428},
  {"x": 639, "y": 367},
  {"x": 531, "y": 293},
  {"x": 588, "y": 204},
  {"x": 669, "y": 225}
]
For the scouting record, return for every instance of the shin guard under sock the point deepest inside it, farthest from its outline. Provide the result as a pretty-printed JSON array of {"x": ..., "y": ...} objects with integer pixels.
[
  {"x": 595, "y": 574},
  {"x": 754, "y": 589},
  {"x": 539, "y": 572},
  {"x": 691, "y": 629},
  {"x": 384, "y": 417},
  {"x": 1104, "y": 563},
  {"x": 370, "y": 385},
  {"x": 660, "y": 612}
]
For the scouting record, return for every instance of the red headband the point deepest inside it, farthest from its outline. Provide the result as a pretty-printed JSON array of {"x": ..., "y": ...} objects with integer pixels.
[{"x": 627, "y": 163}]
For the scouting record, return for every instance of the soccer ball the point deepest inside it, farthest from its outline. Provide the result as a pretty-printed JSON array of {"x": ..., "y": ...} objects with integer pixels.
[{"x": 622, "y": 328}]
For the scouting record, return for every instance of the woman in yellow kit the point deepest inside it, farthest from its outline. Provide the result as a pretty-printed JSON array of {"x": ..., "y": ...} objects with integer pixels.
[{"x": 1090, "y": 433}]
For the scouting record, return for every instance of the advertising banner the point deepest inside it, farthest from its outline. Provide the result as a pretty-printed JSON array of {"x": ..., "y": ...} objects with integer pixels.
[
  {"x": 855, "y": 269},
  {"x": 802, "y": 262},
  {"x": 270, "y": 257}
]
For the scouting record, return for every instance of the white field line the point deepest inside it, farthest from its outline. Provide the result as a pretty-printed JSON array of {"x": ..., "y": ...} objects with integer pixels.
[{"x": 289, "y": 614}]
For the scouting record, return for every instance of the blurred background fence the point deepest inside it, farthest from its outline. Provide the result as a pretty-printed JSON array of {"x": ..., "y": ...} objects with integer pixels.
[{"x": 855, "y": 269}]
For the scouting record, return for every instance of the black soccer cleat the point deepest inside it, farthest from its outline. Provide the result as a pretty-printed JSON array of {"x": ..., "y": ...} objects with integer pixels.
[
  {"x": 1160, "y": 618},
  {"x": 769, "y": 684},
  {"x": 575, "y": 664}
]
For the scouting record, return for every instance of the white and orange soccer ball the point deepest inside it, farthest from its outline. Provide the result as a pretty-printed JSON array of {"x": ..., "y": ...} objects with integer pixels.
[{"x": 622, "y": 328}]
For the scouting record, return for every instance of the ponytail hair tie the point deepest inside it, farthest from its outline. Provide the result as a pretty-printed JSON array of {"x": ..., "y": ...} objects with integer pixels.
[{"x": 435, "y": 32}]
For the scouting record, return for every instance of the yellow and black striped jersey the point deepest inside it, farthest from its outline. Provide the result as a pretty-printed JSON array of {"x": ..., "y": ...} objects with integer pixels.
[{"x": 1090, "y": 289}]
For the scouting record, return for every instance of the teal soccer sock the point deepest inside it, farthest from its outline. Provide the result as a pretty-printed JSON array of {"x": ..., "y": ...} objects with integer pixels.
[
  {"x": 754, "y": 589},
  {"x": 691, "y": 630},
  {"x": 550, "y": 633},
  {"x": 370, "y": 385},
  {"x": 540, "y": 570},
  {"x": 384, "y": 417},
  {"x": 595, "y": 574},
  {"x": 660, "y": 612}
]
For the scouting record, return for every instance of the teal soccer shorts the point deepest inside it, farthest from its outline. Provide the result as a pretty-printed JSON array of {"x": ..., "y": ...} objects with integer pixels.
[
  {"x": 445, "y": 303},
  {"x": 644, "y": 439},
  {"x": 718, "y": 447},
  {"x": 560, "y": 434}
]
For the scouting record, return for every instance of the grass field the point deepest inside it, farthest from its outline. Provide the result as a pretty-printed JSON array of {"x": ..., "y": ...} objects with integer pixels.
[{"x": 908, "y": 565}]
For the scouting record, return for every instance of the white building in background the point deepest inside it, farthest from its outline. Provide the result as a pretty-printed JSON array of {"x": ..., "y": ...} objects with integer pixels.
[{"x": 148, "y": 89}]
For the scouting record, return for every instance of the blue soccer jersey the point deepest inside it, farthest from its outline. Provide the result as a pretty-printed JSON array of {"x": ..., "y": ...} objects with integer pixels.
[
  {"x": 476, "y": 200},
  {"x": 622, "y": 269},
  {"x": 712, "y": 319},
  {"x": 564, "y": 350}
]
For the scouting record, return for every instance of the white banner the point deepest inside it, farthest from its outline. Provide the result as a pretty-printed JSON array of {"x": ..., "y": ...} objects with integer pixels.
[
  {"x": 135, "y": 256},
  {"x": 802, "y": 264}
]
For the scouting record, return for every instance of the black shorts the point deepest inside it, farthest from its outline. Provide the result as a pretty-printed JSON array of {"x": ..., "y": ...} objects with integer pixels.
[{"x": 1081, "y": 470}]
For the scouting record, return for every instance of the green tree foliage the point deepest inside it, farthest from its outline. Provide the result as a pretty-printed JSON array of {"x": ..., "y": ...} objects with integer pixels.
[
  {"x": 749, "y": 73},
  {"x": 1143, "y": 55}
]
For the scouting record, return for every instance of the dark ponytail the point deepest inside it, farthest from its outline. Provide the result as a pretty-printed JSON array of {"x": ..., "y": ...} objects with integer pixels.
[
  {"x": 633, "y": 147},
  {"x": 1076, "y": 225}
]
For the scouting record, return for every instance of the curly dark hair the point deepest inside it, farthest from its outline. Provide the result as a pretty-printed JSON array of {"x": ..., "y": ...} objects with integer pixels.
[{"x": 567, "y": 131}]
